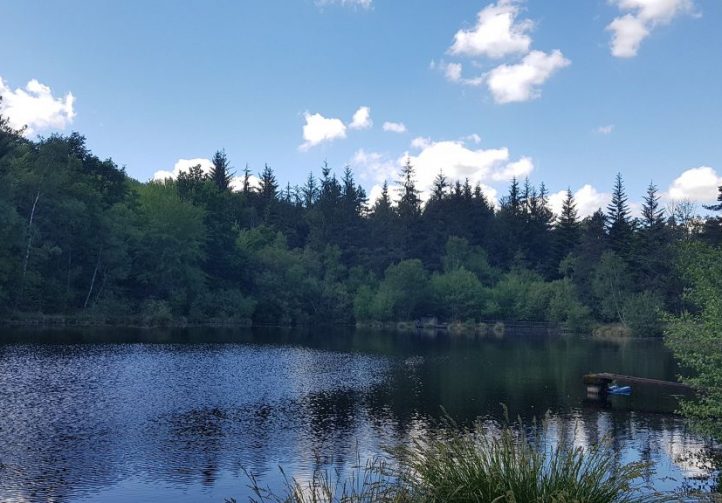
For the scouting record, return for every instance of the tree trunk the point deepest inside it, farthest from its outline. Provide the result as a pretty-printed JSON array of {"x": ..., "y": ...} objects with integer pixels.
[
  {"x": 67, "y": 276},
  {"x": 92, "y": 282},
  {"x": 27, "y": 247}
]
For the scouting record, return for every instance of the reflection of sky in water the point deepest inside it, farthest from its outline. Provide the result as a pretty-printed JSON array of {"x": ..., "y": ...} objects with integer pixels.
[{"x": 180, "y": 422}]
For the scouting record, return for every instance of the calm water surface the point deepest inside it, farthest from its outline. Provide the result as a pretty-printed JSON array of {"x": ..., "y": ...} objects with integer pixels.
[{"x": 178, "y": 415}]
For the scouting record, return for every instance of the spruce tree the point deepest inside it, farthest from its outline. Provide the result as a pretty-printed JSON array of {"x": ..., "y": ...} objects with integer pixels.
[
  {"x": 268, "y": 187},
  {"x": 567, "y": 229},
  {"x": 438, "y": 189},
  {"x": 619, "y": 225},
  {"x": 652, "y": 214},
  {"x": 409, "y": 209},
  {"x": 221, "y": 173},
  {"x": 309, "y": 192},
  {"x": 246, "y": 180},
  {"x": 652, "y": 253},
  {"x": 410, "y": 202}
]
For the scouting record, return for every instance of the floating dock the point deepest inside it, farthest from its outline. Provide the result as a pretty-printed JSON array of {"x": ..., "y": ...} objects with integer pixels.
[{"x": 598, "y": 384}]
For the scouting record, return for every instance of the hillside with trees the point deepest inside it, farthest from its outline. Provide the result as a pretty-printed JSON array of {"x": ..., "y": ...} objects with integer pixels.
[{"x": 81, "y": 238}]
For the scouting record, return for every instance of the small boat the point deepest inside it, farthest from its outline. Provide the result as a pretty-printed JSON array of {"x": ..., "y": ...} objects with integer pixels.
[{"x": 619, "y": 390}]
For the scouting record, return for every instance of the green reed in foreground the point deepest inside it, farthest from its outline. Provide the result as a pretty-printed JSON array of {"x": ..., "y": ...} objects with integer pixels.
[{"x": 475, "y": 466}]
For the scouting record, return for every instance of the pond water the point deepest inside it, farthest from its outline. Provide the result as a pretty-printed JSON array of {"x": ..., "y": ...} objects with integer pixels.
[{"x": 178, "y": 415}]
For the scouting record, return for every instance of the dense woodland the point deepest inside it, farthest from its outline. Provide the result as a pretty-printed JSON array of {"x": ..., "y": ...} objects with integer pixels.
[{"x": 81, "y": 238}]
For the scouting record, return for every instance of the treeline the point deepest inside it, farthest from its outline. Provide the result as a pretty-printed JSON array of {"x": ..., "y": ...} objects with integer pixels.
[{"x": 81, "y": 238}]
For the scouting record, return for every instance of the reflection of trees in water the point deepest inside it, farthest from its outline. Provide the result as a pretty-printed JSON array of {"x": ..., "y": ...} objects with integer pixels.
[
  {"x": 50, "y": 444},
  {"x": 189, "y": 413}
]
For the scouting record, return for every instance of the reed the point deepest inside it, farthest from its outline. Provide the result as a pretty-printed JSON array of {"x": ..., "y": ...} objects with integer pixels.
[{"x": 457, "y": 465}]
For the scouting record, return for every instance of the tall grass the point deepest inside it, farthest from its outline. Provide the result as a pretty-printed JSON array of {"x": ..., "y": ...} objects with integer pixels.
[
  {"x": 473, "y": 466},
  {"x": 507, "y": 467}
]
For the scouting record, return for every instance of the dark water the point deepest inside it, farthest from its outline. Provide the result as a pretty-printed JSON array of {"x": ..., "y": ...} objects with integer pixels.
[{"x": 178, "y": 415}]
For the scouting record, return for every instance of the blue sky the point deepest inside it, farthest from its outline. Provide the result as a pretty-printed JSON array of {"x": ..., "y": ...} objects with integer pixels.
[{"x": 566, "y": 92}]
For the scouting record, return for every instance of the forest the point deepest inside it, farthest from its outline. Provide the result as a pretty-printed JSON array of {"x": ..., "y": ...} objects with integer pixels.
[{"x": 81, "y": 238}]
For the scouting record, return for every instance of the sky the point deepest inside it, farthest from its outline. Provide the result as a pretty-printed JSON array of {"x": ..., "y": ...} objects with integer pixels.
[{"x": 567, "y": 92}]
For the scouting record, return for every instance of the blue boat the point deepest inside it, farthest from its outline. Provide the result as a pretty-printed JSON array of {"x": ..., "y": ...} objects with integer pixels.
[{"x": 619, "y": 390}]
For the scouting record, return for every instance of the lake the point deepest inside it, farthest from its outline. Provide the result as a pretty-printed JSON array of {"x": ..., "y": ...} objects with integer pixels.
[{"x": 178, "y": 415}]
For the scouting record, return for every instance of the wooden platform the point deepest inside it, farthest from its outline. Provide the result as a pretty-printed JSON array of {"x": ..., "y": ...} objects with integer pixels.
[{"x": 603, "y": 380}]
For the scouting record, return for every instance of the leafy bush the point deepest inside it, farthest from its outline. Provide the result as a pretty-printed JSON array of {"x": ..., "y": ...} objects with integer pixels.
[
  {"x": 642, "y": 314},
  {"x": 156, "y": 313},
  {"x": 458, "y": 295},
  {"x": 696, "y": 337}
]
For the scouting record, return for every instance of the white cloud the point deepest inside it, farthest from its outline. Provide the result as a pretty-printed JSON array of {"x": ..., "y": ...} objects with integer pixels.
[
  {"x": 587, "y": 199},
  {"x": 521, "y": 81},
  {"x": 518, "y": 169},
  {"x": 640, "y": 18},
  {"x": 460, "y": 162},
  {"x": 36, "y": 107},
  {"x": 452, "y": 72},
  {"x": 184, "y": 165},
  {"x": 374, "y": 167},
  {"x": 394, "y": 127},
  {"x": 363, "y": 4},
  {"x": 605, "y": 130},
  {"x": 361, "y": 119},
  {"x": 237, "y": 183},
  {"x": 319, "y": 129},
  {"x": 497, "y": 33},
  {"x": 657, "y": 11},
  {"x": 375, "y": 194},
  {"x": 697, "y": 185},
  {"x": 475, "y": 138},
  {"x": 627, "y": 35},
  {"x": 420, "y": 142}
]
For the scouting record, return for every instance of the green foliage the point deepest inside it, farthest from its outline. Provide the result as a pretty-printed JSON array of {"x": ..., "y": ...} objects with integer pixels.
[
  {"x": 80, "y": 236},
  {"x": 459, "y": 293},
  {"x": 405, "y": 287},
  {"x": 611, "y": 286},
  {"x": 643, "y": 314},
  {"x": 480, "y": 465},
  {"x": 170, "y": 247},
  {"x": 506, "y": 467},
  {"x": 156, "y": 313},
  {"x": 459, "y": 253},
  {"x": 695, "y": 336}
]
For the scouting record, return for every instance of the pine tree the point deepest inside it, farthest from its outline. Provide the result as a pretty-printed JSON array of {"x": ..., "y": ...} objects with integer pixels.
[
  {"x": 409, "y": 209},
  {"x": 652, "y": 251},
  {"x": 410, "y": 202},
  {"x": 568, "y": 221},
  {"x": 268, "y": 187},
  {"x": 221, "y": 173},
  {"x": 514, "y": 201},
  {"x": 438, "y": 189},
  {"x": 567, "y": 229},
  {"x": 246, "y": 180},
  {"x": 383, "y": 203},
  {"x": 309, "y": 191},
  {"x": 717, "y": 207},
  {"x": 619, "y": 225},
  {"x": 383, "y": 245},
  {"x": 652, "y": 214}
]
